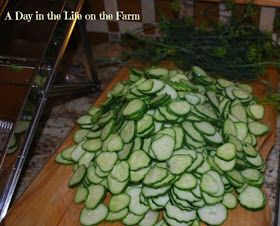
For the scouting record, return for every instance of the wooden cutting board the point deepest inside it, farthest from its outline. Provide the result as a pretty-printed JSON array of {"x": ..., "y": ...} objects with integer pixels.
[{"x": 48, "y": 201}]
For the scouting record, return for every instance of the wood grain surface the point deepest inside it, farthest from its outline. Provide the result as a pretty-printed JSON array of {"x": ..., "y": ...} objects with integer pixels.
[{"x": 48, "y": 201}]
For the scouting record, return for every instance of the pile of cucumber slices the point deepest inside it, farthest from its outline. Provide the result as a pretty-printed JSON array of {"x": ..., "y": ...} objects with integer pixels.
[{"x": 168, "y": 147}]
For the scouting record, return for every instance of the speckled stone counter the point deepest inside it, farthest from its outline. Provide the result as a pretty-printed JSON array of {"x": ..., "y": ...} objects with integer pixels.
[
  {"x": 56, "y": 123},
  {"x": 271, "y": 173}
]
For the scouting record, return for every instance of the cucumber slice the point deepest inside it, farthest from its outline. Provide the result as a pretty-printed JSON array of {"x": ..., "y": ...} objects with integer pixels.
[
  {"x": 216, "y": 178},
  {"x": 229, "y": 201},
  {"x": 92, "y": 176},
  {"x": 80, "y": 135},
  {"x": 137, "y": 144},
  {"x": 132, "y": 219},
  {"x": 90, "y": 217},
  {"x": 100, "y": 173},
  {"x": 210, "y": 200},
  {"x": 241, "y": 94},
  {"x": 158, "y": 116},
  {"x": 224, "y": 83},
  {"x": 249, "y": 150},
  {"x": 133, "y": 107},
  {"x": 186, "y": 182},
  {"x": 118, "y": 89},
  {"x": 252, "y": 198},
  {"x": 173, "y": 222},
  {"x": 190, "y": 143},
  {"x": 125, "y": 152},
  {"x": 163, "y": 147},
  {"x": 179, "y": 137},
  {"x": 185, "y": 195},
  {"x": 116, "y": 216},
  {"x": 168, "y": 131},
  {"x": 203, "y": 168},
  {"x": 166, "y": 181},
  {"x": 151, "y": 217},
  {"x": 192, "y": 132},
  {"x": 255, "y": 161},
  {"x": 128, "y": 132},
  {"x": 161, "y": 200},
  {"x": 92, "y": 145},
  {"x": 255, "y": 111},
  {"x": 157, "y": 72},
  {"x": 154, "y": 192},
  {"x": 120, "y": 171},
  {"x": 138, "y": 175},
  {"x": 213, "y": 214},
  {"x": 229, "y": 92},
  {"x": 107, "y": 130},
  {"x": 78, "y": 176},
  {"x": 93, "y": 134},
  {"x": 179, "y": 77},
  {"x": 198, "y": 162},
  {"x": 192, "y": 98},
  {"x": 157, "y": 86},
  {"x": 96, "y": 194},
  {"x": 119, "y": 202},
  {"x": 77, "y": 152},
  {"x": 159, "y": 100},
  {"x": 106, "y": 161},
  {"x": 235, "y": 176},
  {"x": 242, "y": 130},
  {"x": 59, "y": 159},
  {"x": 81, "y": 194},
  {"x": 251, "y": 175},
  {"x": 215, "y": 139},
  {"x": 86, "y": 159},
  {"x": 239, "y": 112},
  {"x": 179, "y": 107},
  {"x": 179, "y": 215},
  {"x": 146, "y": 86},
  {"x": 212, "y": 96},
  {"x": 179, "y": 163},
  {"x": 67, "y": 152},
  {"x": 206, "y": 111},
  {"x": 167, "y": 115},
  {"x": 229, "y": 127},
  {"x": 84, "y": 120},
  {"x": 138, "y": 160},
  {"x": 181, "y": 203},
  {"x": 205, "y": 128},
  {"x": 258, "y": 129},
  {"x": 86, "y": 126},
  {"x": 114, "y": 143},
  {"x": 116, "y": 187},
  {"x": 135, "y": 206},
  {"x": 106, "y": 118},
  {"x": 208, "y": 184},
  {"x": 234, "y": 140},
  {"x": 226, "y": 152},
  {"x": 169, "y": 90},
  {"x": 145, "y": 123},
  {"x": 225, "y": 165},
  {"x": 154, "y": 175}
]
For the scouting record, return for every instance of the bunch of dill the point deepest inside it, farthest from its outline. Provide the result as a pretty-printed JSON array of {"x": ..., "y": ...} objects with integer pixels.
[{"x": 237, "y": 50}]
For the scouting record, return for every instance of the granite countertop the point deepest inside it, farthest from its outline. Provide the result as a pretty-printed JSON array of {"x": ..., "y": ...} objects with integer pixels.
[
  {"x": 271, "y": 173},
  {"x": 58, "y": 122}
]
